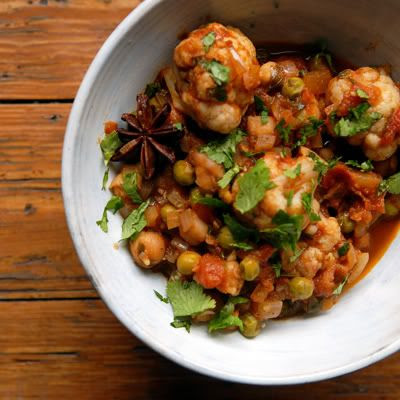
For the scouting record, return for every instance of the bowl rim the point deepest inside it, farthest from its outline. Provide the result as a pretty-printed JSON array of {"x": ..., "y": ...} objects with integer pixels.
[{"x": 71, "y": 135}]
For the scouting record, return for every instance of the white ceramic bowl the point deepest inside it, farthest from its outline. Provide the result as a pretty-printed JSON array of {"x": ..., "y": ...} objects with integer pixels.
[{"x": 363, "y": 328}]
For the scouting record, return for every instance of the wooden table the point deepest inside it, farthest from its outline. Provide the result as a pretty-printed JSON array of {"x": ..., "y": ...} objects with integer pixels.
[{"x": 57, "y": 338}]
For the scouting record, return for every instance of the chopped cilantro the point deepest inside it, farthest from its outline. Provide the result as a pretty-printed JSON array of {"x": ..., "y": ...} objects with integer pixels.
[
  {"x": 135, "y": 222},
  {"x": 264, "y": 117},
  {"x": 358, "y": 120},
  {"x": 208, "y": 40},
  {"x": 306, "y": 200},
  {"x": 105, "y": 179},
  {"x": 178, "y": 126},
  {"x": 391, "y": 184},
  {"x": 286, "y": 232},
  {"x": 293, "y": 173},
  {"x": 113, "y": 205},
  {"x": 219, "y": 72},
  {"x": 297, "y": 253},
  {"x": 321, "y": 166},
  {"x": 323, "y": 53},
  {"x": 225, "y": 318},
  {"x": 252, "y": 187},
  {"x": 308, "y": 131},
  {"x": 161, "y": 297},
  {"x": 109, "y": 145},
  {"x": 362, "y": 94},
  {"x": 289, "y": 197},
  {"x": 152, "y": 89},
  {"x": 342, "y": 250},
  {"x": 129, "y": 184},
  {"x": 239, "y": 231},
  {"x": 188, "y": 298},
  {"x": 183, "y": 322},
  {"x": 276, "y": 263},
  {"x": 222, "y": 150},
  {"x": 284, "y": 131},
  {"x": 261, "y": 109},
  {"x": 339, "y": 289},
  {"x": 364, "y": 166},
  {"x": 211, "y": 202},
  {"x": 252, "y": 155},
  {"x": 228, "y": 176}
]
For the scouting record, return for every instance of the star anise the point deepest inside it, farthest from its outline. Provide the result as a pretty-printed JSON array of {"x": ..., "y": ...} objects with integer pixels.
[{"x": 150, "y": 132}]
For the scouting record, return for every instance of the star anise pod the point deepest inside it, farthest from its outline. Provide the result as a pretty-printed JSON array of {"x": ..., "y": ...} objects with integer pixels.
[{"x": 150, "y": 132}]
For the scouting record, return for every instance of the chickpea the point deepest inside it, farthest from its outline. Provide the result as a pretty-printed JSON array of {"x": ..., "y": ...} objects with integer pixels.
[
  {"x": 250, "y": 268},
  {"x": 183, "y": 173},
  {"x": 301, "y": 288},
  {"x": 187, "y": 261},
  {"x": 346, "y": 224},
  {"x": 271, "y": 74},
  {"x": 225, "y": 238},
  {"x": 148, "y": 249},
  {"x": 165, "y": 210},
  {"x": 292, "y": 87},
  {"x": 251, "y": 327}
]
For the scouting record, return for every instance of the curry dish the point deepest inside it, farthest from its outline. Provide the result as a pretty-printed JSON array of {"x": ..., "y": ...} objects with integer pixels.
[{"x": 255, "y": 180}]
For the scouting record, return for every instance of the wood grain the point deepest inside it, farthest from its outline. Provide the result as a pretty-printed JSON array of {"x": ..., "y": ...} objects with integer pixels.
[
  {"x": 57, "y": 338},
  {"x": 47, "y": 45}
]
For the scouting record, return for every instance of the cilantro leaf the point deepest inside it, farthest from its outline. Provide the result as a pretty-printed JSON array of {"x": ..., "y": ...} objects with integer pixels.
[
  {"x": 308, "y": 131},
  {"x": 297, "y": 253},
  {"x": 225, "y": 318},
  {"x": 208, "y": 40},
  {"x": 286, "y": 232},
  {"x": 306, "y": 200},
  {"x": 152, "y": 89},
  {"x": 252, "y": 187},
  {"x": 289, "y": 197},
  {"x": 342, "y": 250},
  {"x": 182, "y": 323},
  {"x": 228, "y": 176},
  {"x": 252, "y": 155},
  {"x": 364, "y": 166},
  {"x": 321, "y": 166},
  {"x": 109, "y": 145},
  {"x": 105, "y": 179},
  {"x": 239, "y": 231},
  {"x": 113, "y": 205},
  {"x": 362, "y": 94},
  {"x": 264, "y": 117},
  {"x": 211, "y": 202},
  {"x": 161, "y": 297},
  {"x": 219, "y": 72},
  {"x": 178, "y": 126},
  {"x": 261, "y": 109},
  {"x": 358, "y": 120},
  {"x": 130, "y": 186},
  {"x": 284, "y": 131},
  {"x": 276, "y": 263},
  {"x": 222, "y": 150},
  {"x": 293, "y": 173},
  {"x": 391, "y": 184},
  {"x": 135, "y": 222},
  {"x": 339, "y": 289},
  {"x": 188, "y": 298}
]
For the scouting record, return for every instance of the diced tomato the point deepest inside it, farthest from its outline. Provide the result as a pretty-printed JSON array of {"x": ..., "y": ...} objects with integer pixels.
[
  {"x": 210, "y": 271},
  {"x": 392, "y": 128},
  {"x": 110, "y": 126},
  {"x": 317, "y": 81}
]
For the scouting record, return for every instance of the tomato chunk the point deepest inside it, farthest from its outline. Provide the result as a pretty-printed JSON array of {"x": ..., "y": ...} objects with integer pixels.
[{"x": 210, "y": 271}]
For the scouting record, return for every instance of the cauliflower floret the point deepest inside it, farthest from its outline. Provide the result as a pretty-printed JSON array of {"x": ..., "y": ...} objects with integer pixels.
[
  {"x": 380, "y": 141},
  {"x": 217, "y": 72},
  {"x": 293, "y": 177}
]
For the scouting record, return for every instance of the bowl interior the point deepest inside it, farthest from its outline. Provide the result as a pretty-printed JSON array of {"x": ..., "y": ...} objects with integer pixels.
[{"x": 362, "y": 328}]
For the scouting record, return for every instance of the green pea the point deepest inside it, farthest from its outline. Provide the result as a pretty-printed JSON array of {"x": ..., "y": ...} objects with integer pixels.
[
  {"x": 183, "y": 173},
  {"x": 251, "y": 327},
  {"x": 187, "y": 261},
  {"x": 390, "y": 209},
  {"x": 292, "y": 87},
  {"x": 346, "y": 224},
  {"x": 225, "y": 238},
  {"x": 250, "y": 267},
  {"x": 165, "y": 210},
  {"x": 301, "y": 288},
  {"x": 195, "y": 195}
]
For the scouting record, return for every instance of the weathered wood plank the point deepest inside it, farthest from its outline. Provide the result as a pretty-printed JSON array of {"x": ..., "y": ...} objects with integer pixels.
[
  {"x": 77, "y": 350},
  {"x": 47, "y": 45}
]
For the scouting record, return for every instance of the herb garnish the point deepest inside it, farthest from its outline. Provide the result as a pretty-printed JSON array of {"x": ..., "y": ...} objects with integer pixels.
[
  {"x": 293, "y": 173},
  {"x": 339, "y": 289},
  {"x": 306, "y": 200},
  {"x": 390, "y": 185},
  {"x": 308, "y": 131},
  {"x": 228, "y": 176},
  {"x": 135, "y": 222},
  {"x": 208, "y": 40},
  {"x": 261, "y": 109},
  {"x": 113, "y": 205},
  {"x": 342, "y": 250},
  {"x": 219, "y": 72},
  {"x": 363, "y": 166},
  {"x": 225, "y": 318},
  {"x": 284, "y": 131},
  {"x": 129, "y": 184},
  {"x": 105, "y": 179},
  {"x": 109, "y": 145}
]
